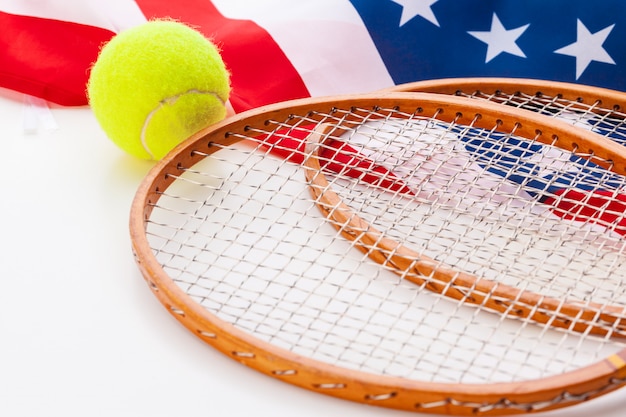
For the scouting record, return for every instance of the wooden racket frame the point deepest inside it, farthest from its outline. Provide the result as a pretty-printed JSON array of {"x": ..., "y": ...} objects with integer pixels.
[
  {"x": 581, "y": 96},
  {"x": 443, "y": 398}
]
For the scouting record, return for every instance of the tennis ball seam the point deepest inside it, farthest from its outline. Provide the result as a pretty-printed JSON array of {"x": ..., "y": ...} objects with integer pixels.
[{"x": 168, "y": 101}]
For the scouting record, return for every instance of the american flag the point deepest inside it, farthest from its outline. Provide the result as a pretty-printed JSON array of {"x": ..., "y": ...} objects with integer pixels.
[{"x": 282, "y": 49}]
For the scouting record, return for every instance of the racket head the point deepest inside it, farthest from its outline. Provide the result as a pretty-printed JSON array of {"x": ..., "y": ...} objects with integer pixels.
[{"x": 544, "y": 393}]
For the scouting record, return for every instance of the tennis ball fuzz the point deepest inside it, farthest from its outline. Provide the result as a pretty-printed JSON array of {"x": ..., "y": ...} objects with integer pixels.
[{"x": 155, "y": 85}]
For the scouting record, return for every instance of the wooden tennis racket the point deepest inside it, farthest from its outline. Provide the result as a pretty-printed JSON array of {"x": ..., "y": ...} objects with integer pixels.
[{"x": 474, "y": 291}]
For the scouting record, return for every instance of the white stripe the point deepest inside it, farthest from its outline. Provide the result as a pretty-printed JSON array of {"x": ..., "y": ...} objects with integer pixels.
[
  {"x": 325, "y": 40},
  {"x": 114, "y": 15}
]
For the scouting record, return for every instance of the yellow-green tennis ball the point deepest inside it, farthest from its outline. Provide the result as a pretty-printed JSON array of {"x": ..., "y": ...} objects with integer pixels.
[{"x": 155, "y": 85}]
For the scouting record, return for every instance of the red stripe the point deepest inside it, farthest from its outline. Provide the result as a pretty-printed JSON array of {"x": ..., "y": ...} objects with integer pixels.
[
  {"x": 601, "y": 207},
  {"x": 48, "y": 58},
  {"x": 336, "y": 156},
  {"x": 260, "y": 72}
]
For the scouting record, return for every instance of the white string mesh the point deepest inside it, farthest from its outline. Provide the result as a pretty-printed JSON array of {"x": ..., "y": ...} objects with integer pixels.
[
  {"x": 609, "y": 122},
  {"x": 241, "y": 234}
]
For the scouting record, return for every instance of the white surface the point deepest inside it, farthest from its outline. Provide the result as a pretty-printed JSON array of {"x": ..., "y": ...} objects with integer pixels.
[{"x": 81, "y": 333}]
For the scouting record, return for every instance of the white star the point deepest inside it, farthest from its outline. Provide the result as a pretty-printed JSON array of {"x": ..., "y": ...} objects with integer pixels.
[
  {"x": 499, "y": 40},
  {"x": 412, "y": 8},
  {"x": 587, "y": 48}
]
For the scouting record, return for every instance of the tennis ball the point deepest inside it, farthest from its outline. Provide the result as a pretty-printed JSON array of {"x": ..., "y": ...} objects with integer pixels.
[{"x": 156, "y": 84}]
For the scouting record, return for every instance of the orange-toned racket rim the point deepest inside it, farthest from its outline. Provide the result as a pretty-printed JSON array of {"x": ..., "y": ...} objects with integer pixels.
[
  {"x": 444, "y": 398},
  {"x": 603, "y": 98}
]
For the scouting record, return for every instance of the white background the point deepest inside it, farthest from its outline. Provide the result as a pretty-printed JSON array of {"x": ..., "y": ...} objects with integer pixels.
[{"x": 81, "y": 334}]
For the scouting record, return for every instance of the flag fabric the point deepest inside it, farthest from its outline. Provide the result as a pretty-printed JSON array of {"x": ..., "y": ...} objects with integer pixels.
[{"x": 281, "y": 49}]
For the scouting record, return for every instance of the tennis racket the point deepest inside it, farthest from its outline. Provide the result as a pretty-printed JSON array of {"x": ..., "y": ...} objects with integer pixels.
[{"x": 383, "y": 249}]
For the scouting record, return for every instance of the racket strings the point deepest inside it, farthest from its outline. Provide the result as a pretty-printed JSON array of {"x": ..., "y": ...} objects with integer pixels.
[
  {"x": 595, "y": 116},
  {"x": 500, "y": 156},
  {"x": 568, "y": 258},
  {"x": 551, "y": 169},
  {"x": 294, "y": 281},
  {"x": 483, "y": 251},
  {"x": 341, "y": 120},
  {"x": 545, "y": 261},
  {"x": 538, "y": 102},
  {"x": 261, "y": 290},
  {"x": 235, "y": 312},
  {"x": 498, "y": 151}
]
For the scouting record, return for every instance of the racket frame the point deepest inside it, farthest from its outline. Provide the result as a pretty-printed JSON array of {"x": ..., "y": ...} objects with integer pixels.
[
  {"x": 583, "y": 97},
  {"x": 445, "y": 398}
]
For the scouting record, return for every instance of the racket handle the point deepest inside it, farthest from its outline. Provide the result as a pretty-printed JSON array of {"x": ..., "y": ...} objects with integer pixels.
[{"x": 600, "y": 207}]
